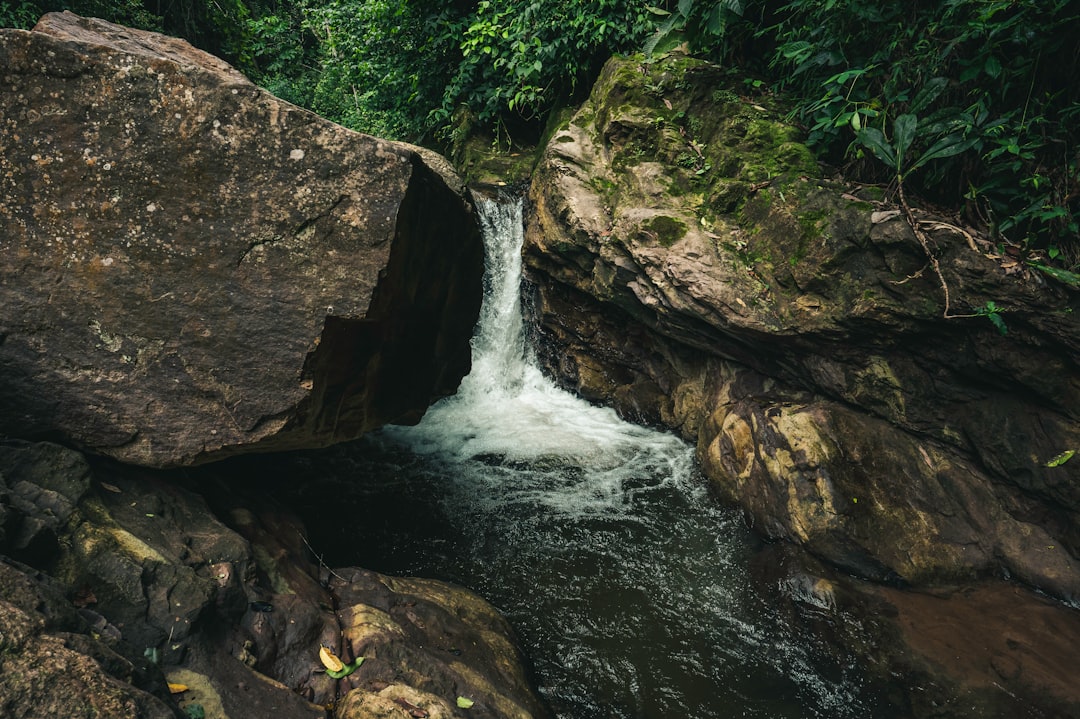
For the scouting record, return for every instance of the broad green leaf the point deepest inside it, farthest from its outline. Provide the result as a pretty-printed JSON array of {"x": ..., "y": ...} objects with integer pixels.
[
  {"x": 841, "y": 78},
  {"x": 945, "y": 147},
  {"x": 928, "y": 93},
  {"x": 664, "y": 40},
  {"x": 685, "y": 6},
  {"x": 715, "y": 24},
  {"x": 903, "y": 135},
  {"x": 464, "y": 703},
  {"x": 1070, "y": 278},
  {"x": 1061, "y": 458},
  {"x": 844, "y": 118},
  {"x": 735, "y": 7},
  {"x": 1052, "y": 213},
  {"x": 346, "y": 669},
  {"x": 999, "y": 324},
  {"x": 874, "y": 140},
  {"x": 798, "y": 50},
  {"x": 657, "y": 10}
]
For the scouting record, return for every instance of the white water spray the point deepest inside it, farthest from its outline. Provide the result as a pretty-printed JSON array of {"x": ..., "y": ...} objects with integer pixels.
[{"x": 506, "y": 411}]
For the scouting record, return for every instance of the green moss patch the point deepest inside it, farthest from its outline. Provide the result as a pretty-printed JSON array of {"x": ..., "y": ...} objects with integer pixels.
[{"x": 664, "y": 230}]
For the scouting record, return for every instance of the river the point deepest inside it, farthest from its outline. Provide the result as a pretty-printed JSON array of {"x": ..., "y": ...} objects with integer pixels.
[{"x": 627, "y": 584}]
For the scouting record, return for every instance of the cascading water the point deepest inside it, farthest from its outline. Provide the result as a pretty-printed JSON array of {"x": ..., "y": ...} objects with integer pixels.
[{"x": 626, "y": 583}]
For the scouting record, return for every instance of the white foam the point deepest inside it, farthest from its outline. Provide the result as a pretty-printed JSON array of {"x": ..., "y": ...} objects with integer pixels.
[{"x": 507, "y": 411}]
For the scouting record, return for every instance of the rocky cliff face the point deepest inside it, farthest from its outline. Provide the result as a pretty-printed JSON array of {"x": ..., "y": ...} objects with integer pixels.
[
  {"x": 195, "y": 268},
  {"x": 689, "y": 266}
]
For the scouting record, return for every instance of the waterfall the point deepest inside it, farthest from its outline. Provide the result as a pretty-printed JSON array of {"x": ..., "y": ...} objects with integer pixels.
[
  {"x": 507, "y": 412},
  {"x": 596, "y": 538}
]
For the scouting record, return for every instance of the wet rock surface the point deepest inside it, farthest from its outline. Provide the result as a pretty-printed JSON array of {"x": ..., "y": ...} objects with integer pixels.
[
  {"x": 196, "y": 268},
  {"x": 149, "y": 583},
  {"x": 988, "y": 649},
  {"x": 685, "y": 266}
]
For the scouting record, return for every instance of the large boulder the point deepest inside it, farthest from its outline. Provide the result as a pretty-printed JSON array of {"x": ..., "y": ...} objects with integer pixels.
[
  {"x": 688, "y": 266},
  {"x": 194, "y": 268}
]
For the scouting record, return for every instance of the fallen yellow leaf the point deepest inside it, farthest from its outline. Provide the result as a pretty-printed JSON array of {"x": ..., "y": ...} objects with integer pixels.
[
  {"x": 330, "y": 661},
  {"x": 177, "y": 688}
]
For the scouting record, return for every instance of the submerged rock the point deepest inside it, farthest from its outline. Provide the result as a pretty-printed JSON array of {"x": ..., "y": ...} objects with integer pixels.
[
  {"x": 991, "y": 649},
  {"x": 195, "y": 268}
]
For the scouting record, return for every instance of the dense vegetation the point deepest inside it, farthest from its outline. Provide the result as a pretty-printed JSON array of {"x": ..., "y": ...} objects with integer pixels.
[{"x": 970, "y": 103}]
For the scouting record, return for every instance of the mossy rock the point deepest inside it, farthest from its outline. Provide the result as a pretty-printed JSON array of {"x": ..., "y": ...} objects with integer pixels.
[
  {"x": 686, "y": 114},
  {"x": 664, "y": 230},
  {"x": 482, "y": 162}
]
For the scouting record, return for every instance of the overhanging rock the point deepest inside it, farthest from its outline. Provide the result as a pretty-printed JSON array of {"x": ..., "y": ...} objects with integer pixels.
[{"x": 193, "y": 267}]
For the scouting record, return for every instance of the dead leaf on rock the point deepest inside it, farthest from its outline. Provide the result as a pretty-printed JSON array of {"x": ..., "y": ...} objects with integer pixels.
[
  {"x": 177, "y": 688},
  {"x": 879, "y": 217},
  {"x": 414, "y": 711},
  {"x": 84, "y": 598},
  {"x": 110, "y": 487},
  {"x": 330, "y": 660}
]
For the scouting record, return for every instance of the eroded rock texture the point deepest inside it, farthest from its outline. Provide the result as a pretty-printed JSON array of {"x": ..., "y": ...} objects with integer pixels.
[
  {"x": 149, "y": 582},
  {"x": 687, "y": 267},
  {"x": 193, "y": 267}
]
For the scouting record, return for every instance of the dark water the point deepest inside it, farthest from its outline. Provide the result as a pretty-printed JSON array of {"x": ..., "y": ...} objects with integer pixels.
[{"x": 629, "y": 587}]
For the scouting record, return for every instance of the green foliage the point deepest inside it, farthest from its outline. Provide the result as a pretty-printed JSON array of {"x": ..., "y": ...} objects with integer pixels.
[
  {"x": 969, "y": 102},
  {"x": 21, "y": 15},
  {"x": 218, "y": 26},
  {"x": 904, "y": 135},
  {"x": 378, "y": 65},
  {"x": 24, "y": 14},
  {"x": 714, "y": 28},
  {"x": 520, "y": 58},
  {"x": 419, "y": 69},
  {"x": 993, "y": 313},
  {"x": 1061, "y": 458},
  {"x": 992, "y": 83},
  {"x": 1064, "y": 276}
]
